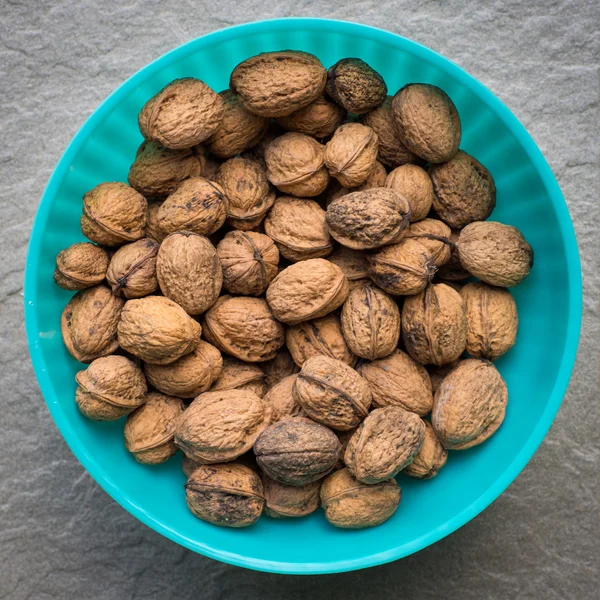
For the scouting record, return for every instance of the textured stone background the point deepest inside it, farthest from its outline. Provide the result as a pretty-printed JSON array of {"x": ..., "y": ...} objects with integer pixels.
[{"x": 61, "y": 536}]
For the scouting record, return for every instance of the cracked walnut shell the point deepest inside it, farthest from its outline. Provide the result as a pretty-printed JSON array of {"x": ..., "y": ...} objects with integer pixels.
[
  {"x": 240, "y": 375},
  {"x": 80, "y": 266},
  {"x": 319, "y": 119},
  {"x": 412, "y": 182},
  {"x": 431, "y": 457},
  {"x": 132, "y": 269}
]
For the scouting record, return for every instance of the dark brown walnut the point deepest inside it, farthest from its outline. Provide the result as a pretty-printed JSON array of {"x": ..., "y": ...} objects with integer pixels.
[
  {"x": 157, "y": 330},
  {"x": 276, "y": 84},
  {"x": 295, "y": 165},
  {"x": 386, "y": 442},
  {"x": 355, "y": 86},
  {"x": 427, "y": 122},
  {"x": 319, "y": 119},
  {"x": 412, "y": 182},
  {"x": 189, "y": 271},
  {"x": 437, "y": 374},
  {"x": 283, "y": 501},
  {"x": 188, "y": 376},
  {"x": 197, "y": 205},
  {"x": 464, "y": 190},
  {"x": 353, "y": 263},
  {"x": 434, "y": 325},
  {"x": 158, "y": 171},
  {"x": 220, "y": 426},
  {"x": 307, "y": 290},
  {"x": 80, "y": 266},
  {"x": 248, "y": 191},
  {"x": 397, "y": 380},
  {"x": 435, "y": 236},
  {"x": 298, "y": 227},
  {"x": 240, "y": 375},
  {"x": 132, "y": 269},
  {"x": 402, "y": 269},
  {"x": 238, "y": 130},
  {"x": 469, "y": 405},
  {"x": 496, "y": 253},
  {"x": 368, "y": 219},
  {"x": 350, "y": 504},
  {"x": 153, "y": 230},
  {"x": 492, "y": 320},
  {"x": 332, "y": 393},
  {"x": 113, "y": 214},
  {"x": 279, "y": 368},
  {"x": 453, "y": 270},
  {"x": 110, "y": 388},
  {"x": 183, "y": 114},
  {"x": 351, "y": 153},
  {"x": 243, "y": 327},
  {"x": 370, "y": 322},
  {"x": 89, "y": 323},
  {"x": 319, "y": 336},
  {"x": 281, "y": 398},
  {"x": 431, "y": 457},
  {"x": 149, "y": 430},
  {"x": 297, "y": 451},
  {"x": 229, "y": 495}
]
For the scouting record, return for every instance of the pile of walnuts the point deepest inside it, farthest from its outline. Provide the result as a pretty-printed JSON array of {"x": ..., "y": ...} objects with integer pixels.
[{"x": 280, "y": 291}]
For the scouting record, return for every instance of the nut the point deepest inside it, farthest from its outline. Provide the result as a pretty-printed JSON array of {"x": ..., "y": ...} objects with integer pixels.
[
  {"x": 437, "y": 374},
  {"x": 281, "y": 398},
  {"x": 353, "y": 263},
  {"x": 430, "y": 458},
  {"x": 278, "y": 368},
  {"x": 288, "y": 500},
  {"x": 153, "y": 230},
  {"x": 412, "y": 182},
  {"x": 435, "y": 236},
  {"x": 375, "y": 179},
  {"x": 453, "y": 270},
  {"x": 80, "y": 266},
  {"x": 239, "y": 375},
  {"x": 319, "y": 119},
  {"x": 132, "y": 269}
]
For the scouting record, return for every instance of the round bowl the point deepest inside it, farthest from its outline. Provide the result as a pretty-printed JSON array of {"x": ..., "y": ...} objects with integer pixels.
[{"x": 536, "y": 370}]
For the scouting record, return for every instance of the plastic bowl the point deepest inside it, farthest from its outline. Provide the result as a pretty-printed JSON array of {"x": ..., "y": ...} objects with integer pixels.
[{"x": 537, "y": 369}]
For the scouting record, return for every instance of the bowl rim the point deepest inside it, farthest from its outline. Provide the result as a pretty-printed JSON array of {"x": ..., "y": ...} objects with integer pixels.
[{"x": 573, "y": 281}]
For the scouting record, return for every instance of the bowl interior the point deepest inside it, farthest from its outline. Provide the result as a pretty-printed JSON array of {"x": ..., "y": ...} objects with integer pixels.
[{"x": 536, "y": 370}]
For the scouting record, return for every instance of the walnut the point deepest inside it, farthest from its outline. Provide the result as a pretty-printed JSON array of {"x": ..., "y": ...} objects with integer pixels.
[
  {"x": 149, "y": 429},
  {"x": 412, "y": 182},
  {"x": 375, "y": 179},
  {"x": 243, "y": 327},
  {"x": 453, "y": 270},
  {"x": 297, "y": 451},
  {"x": 276, "y": 84},
  {"x": 351, "y": 153},
  {"x": 157, "y": 330},
  {"x": 386, "y": 442},
  {"x": 332, "y": 393},
  {"x": 437, "y": 374},
  {"x": 350, "y": 504},
  {"x": 189, "y": 271},
  {"x": 319, "y": 119},
  {"x": 153, "y": 230},
  {"x": 110, "y": 388},
  {"x": 80, "y": 266},
  {"x": 188, "y": 466},
  {"x": 281, "y": 398},
  {"x": 492, "y": 320},
  {"x": 211, "y": 166},
  {"x": 183, "y": 114},
  {"x": 279, "y": 368},
  {"x": 427, "y": 122},
  {"x": 257, "y": 153},
  {"x": 113, "y": 214},
  {"x": 435, "y": 236},
  {"x": 498, "y": 254},
  {"x": 397, "y": 380},
  {"x": 430, "y": 458},
  {"x": 353, "y": 263},
  {"x": 434, "y": 325},
  {"x": 132, "y": 269},
  {"x": 344, "y": 437},
  {"x": 239, "y": 375},
  {"x": 288, "y": 500},
  {"x": 89, "y": 323},
  {"x": 307, "y": 290}
]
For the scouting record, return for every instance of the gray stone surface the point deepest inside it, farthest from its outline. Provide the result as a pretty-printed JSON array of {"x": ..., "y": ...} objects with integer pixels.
[{"x": 61, "y": 536}]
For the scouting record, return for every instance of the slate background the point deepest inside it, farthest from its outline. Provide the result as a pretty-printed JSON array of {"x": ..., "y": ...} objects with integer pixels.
[{"x": 61, "y": 536}]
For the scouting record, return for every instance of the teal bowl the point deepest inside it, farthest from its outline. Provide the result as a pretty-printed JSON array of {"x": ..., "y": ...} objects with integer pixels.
[{"x": 537, "y": 369}]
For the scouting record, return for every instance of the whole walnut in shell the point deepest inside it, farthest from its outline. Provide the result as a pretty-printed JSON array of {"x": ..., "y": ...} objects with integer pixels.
[
  {"x": 437, "y": 374},
  {"x": 435, "y": 236},
  {"x": 412, "y": 182},
  {"x": 319, "y": 119},
  {"x": 257, "y": 153},
  {"x": 243, "y": 327},
  {"x": 496, "y": 253},
  {"x": 132, "y": 269},
  {"x": 275, "y": 84},
  {"x": 332, "y": 393},
  {"x": 453, "y": 270},
  {"x": 80, "y": 266},
  {"x": 431, "y": 457},
  {"x": 183, "y": 114},
  {"x": 281, "y": 398},
  {"x": 153, "y": 229},
  {"x": 289, "y": 500},
  {"x": 240, "y": 375},
  {"x": 149, "y": 429},
  {"x": 427, "y": 121},
  {"x": 353, "y": 263},
  {"x": 375, "y": 179},
  {"x": 279, "y": 368}
]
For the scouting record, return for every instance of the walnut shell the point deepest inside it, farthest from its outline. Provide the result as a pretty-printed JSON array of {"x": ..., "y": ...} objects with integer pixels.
[
  {"x": 276, "y": 84},
  {"x": 386, "y": 442},
  {"x": 431, "y": 457},
  {"x": 427, "y": 122},
  {"x": 153, "y": 229},
  {"x": 297, "y": 451},
  {"x": 279, "y": 368},
  {"x": 319, "y": 119},
  {"x": 281, "y": 398},
  {"x": 80, "y": 266},
  {"x": 397, "y": 380},
  {"x": 412, "y": 182},
  {"x": 332, "y": 393},
  {"x": 375, "y": 179},
  {"x": 435, "y": 236},
  {"x": 211, "y": 165},
  {"x": 189, "y": 271},
  {"x": 149, "y": 429},
  {"x": 307, "y": 290},
  {"x": 351, "y": 153},
  {"x": 132, "y": 269},
  {"x": 113, "y": 214},
  {"x": 157, "y": 330},
  {"x": 257, "y": 153},
  {"x": 437, "y": 374},
  {"x": 496, "y": 253},
  {"x": 243, "y": 327},
  {"x": 229, "y": 495},
  {"x": 239, "y": 375},
  {"x": 220, "y": 426},
  {"x": 344, "y": 437},
  {"x": 434, "y": 325},
  {"x": 289, "y": 500},
  {"x": 453, "y": 270},
  {"x": 350, "y": 504},
  {"x": 353, "y": 263},
  {"x": 89, "y": 323}
]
